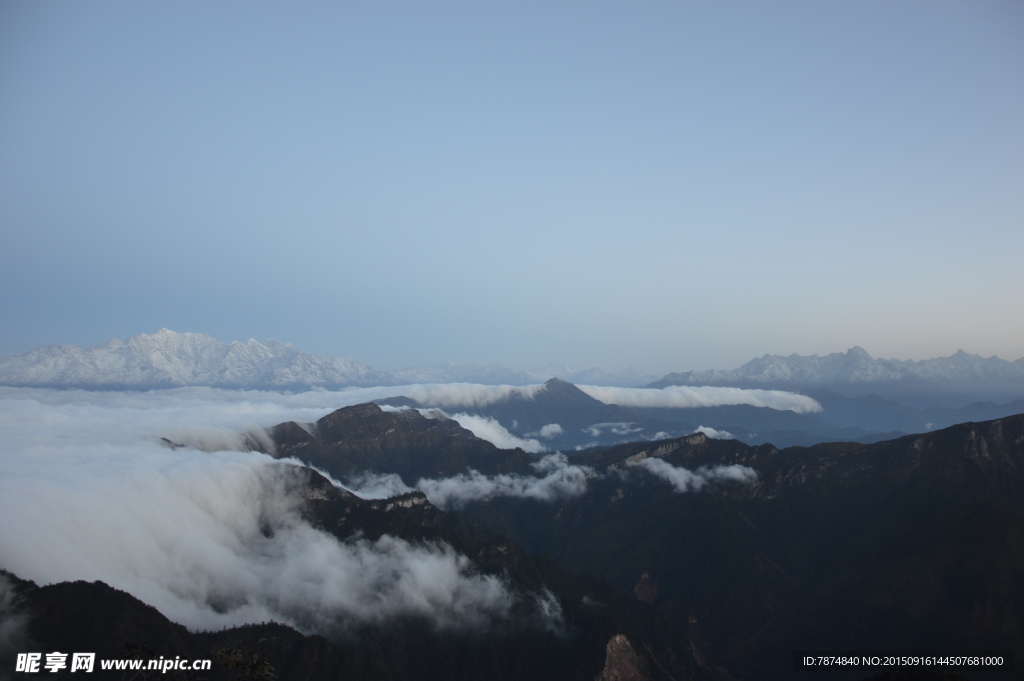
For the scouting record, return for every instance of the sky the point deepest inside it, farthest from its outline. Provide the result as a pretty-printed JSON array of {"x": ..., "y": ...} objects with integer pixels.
[{"x": 672, "y": 186}]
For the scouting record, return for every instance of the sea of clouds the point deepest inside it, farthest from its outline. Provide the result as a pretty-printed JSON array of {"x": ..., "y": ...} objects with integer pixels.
[
  {"x": 688, "y": 397},
  {"x": 455, "y": 396},
  {"x": 87, "y": 491}
]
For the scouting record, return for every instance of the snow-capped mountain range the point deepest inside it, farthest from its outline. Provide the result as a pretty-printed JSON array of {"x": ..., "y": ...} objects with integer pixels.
[
  {"x": 167, "y": 359},
  {"x": 857, "y": 369}
]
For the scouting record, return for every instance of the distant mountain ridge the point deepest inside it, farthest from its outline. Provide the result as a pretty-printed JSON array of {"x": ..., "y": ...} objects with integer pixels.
[
  {"x": 167, "y": 359},
  {"x": 857, "y": 371},
  {"x": 907, "y": 543}
]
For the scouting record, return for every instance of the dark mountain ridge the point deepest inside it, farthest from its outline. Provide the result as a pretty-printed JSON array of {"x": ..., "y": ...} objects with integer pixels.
[
  {"x": 913, "y": 543},
  {"x": 594, "y": 624},
  {"x": 366, "y": 438}
]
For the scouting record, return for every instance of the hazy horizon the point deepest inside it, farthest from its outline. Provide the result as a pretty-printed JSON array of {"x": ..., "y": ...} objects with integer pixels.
[
  {"x": 673, "y": 187},
  {"x": 632, "y": 368}
]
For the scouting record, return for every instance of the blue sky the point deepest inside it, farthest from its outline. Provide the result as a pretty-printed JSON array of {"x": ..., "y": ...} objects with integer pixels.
[{"x": 673, "y": 186}]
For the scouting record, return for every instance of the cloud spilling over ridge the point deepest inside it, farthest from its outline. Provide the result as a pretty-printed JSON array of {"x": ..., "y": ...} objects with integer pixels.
[
  {"x": 370, "y": 485},
  {"x": 261, "y": 406},
  {"x": 685, "y": 480},
  {"x": 714, "y": 433},
  {"x": 86, "y": 492},
  {"x": 452, "y": 396},
  {"x": 684, "y": 397},
  {"x": 486, "y": 428},
  {"x": 557, "y": 479}
]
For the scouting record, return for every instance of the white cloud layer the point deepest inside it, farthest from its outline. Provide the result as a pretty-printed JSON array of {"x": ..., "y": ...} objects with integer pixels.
[
  {"x": 87, "y": 492},
  {"x": 264, "y": 408},
  {"x": 470, "y": 396},
  {"x": 213, "y": 419},
  {"x": 685, "y": 480},
  {"x": 558, "y": 479},
  {"x": 679, "y": 396}
]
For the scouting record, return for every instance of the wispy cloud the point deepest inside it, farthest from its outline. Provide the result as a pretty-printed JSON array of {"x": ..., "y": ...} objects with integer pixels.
[
  {"x": 679, "y": 396},
  {"x": 615, "y": 428},
  {"x": 556, "y": 479},
  {"x": 685, "y": 480},
  {"x": 486, "y": 428}
]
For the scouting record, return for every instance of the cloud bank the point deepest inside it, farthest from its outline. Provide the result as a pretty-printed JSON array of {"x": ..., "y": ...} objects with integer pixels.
[
  {"x": 471, "y": 396},
  {"x": 86, "y": 492},
  {"x": 484, "y": 427},
  {"x": 685, "y": 397}
]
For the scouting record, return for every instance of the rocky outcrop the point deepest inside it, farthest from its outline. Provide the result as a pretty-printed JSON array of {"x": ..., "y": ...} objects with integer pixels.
[{"x": 621, "y": 663}]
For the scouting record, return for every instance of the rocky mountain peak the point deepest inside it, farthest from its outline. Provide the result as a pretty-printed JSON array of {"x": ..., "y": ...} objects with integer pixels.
[{"x": 857, "y": 352}]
